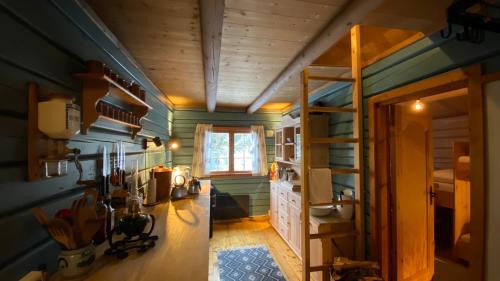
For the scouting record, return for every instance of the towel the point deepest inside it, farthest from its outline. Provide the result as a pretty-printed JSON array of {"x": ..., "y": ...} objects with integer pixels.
[{"x": 320, "y": 185}]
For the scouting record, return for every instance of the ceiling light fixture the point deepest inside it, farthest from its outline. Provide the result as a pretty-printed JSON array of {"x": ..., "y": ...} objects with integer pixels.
[{"x": 418, "y": 106}]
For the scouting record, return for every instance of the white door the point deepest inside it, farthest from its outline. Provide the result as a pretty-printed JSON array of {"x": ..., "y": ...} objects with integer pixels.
[{"x": 414, "y": 213}]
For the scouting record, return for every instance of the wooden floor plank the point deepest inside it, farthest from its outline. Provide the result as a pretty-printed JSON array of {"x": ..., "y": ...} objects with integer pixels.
[{"x": 250, "y": 232}]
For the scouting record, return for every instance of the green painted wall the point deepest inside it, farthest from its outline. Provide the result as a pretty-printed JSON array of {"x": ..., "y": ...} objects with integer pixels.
[
  {"x": 46, "y": 42},
  {"x": 425, "y": 58},
  {"x": 185, "y": 121}
]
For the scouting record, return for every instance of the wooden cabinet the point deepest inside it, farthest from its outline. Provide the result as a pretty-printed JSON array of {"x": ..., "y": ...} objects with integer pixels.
[
  {"x": 274, "y": 204},
  {"x": 288, "y": 140},
  {"x": 286, "y": 219},
  {"x": 295, "y": 225}
]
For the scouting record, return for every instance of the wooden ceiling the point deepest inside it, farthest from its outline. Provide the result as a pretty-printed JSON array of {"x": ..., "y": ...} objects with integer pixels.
[
  {"x": 164, "y": 37},
  {"x": 259, "y": 39}
]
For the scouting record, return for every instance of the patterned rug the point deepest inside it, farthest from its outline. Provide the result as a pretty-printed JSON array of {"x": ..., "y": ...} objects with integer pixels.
[{"x": 252, "y": 264}]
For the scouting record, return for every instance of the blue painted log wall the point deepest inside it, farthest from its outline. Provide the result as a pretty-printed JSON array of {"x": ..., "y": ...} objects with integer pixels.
[
  {"x": 46, "y": 42},
  {"x": 185, "y": 121},
  {"x": 425, "y": 58}
]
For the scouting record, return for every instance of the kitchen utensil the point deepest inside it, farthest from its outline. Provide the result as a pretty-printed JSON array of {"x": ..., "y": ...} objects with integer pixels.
[
  {"x": 62, "y": 232},
  {"x": 84, "y": 210},
  {"x": 194, "y": 186},
  {"x": 41, "y": 216}
]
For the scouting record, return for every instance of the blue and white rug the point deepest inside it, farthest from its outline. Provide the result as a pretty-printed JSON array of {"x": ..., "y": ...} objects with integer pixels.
[{"x": 252, "y": 264}]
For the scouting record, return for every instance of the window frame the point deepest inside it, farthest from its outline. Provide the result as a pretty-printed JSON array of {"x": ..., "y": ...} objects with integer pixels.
[{"x": 231, "y": 172}]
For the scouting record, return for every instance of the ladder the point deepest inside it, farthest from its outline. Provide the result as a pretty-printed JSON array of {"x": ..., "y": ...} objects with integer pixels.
[{"x": 357, "y": 170}]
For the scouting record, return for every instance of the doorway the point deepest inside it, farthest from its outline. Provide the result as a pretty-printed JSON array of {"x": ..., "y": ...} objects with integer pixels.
[{"x": 406, "y": 199}]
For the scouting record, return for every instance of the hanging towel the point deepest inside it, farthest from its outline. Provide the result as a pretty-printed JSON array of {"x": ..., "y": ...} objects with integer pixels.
[{"x": 320, "y": 185}]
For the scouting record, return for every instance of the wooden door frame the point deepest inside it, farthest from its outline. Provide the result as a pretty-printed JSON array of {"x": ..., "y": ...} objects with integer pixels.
[{"x": 380, "y": 218}]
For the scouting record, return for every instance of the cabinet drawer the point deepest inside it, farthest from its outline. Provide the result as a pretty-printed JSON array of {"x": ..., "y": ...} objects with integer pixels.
[
  {"x": 294, "y": 200},
  {"x": 283, "y": 206},
  {"x": 283, "y": 194},
  {"x": 283, "y": 229}
]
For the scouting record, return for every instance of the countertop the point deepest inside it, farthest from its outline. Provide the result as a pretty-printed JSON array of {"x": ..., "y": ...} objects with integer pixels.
[{"x": 181, "y": 252}]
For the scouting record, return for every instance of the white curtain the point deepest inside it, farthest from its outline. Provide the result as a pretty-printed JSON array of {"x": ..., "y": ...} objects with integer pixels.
[
  {"x": 200, "y": 149},
  {"x": 259, "y": 151}
]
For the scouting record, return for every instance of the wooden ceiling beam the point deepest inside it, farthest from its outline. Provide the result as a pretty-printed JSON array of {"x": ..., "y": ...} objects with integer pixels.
[
  {"x": 338, "y": 27},
  {"x": 212, "y": 15}
]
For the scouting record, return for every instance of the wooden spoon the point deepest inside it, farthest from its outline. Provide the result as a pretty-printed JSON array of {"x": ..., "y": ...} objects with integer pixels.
[
  {"x": 62, "y": 232},
  {"x": 40, "y": 215},
  {"x": 82, "y": 213}
]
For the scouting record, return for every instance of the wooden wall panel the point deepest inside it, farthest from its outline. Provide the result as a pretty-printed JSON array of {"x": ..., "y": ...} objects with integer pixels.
[
  {"x": 424, "y": 58},
  {"x": 49, "y": 52},
  {"x": 257, "y": 188},
  {"x": 446, "y": 131}
]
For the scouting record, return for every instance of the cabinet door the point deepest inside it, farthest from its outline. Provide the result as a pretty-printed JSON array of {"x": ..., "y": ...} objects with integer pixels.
[{"x": 295, "y": 225}]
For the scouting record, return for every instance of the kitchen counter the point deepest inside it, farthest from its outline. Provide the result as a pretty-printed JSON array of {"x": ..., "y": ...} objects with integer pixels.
[{"x": 181, "y": 252}]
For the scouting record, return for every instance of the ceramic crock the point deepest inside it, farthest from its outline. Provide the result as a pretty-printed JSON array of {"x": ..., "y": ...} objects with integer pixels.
[{"x": 75, "y": 263}]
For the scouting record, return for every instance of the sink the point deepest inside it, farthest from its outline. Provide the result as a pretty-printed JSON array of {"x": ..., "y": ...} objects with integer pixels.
[{"x": 321, "y": 211}]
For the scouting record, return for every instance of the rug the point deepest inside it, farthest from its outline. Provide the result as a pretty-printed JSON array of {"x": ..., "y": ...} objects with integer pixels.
[{"x": 248, "y": 263}]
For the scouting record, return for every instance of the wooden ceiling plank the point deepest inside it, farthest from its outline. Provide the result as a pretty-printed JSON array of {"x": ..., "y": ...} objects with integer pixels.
[{"x": 354, "y": 12}]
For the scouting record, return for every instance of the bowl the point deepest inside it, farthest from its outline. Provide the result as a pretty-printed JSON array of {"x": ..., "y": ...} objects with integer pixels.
[{"x": 321, "y": 211}]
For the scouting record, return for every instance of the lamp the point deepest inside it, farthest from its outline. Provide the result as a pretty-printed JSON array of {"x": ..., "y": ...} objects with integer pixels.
[
  {"x": 173, "y": 144},
  {"x": 155, "y": 140}
]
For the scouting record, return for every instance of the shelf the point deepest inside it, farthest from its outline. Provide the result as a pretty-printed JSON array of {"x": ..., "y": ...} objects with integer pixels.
[
  {"x": 288, "y": 162},
  {"x": 109, "y": 119},
  {"x": 290, "y": 143},
  {"x": 120, "y": 93},
  {"x": 96, "y": 86}
]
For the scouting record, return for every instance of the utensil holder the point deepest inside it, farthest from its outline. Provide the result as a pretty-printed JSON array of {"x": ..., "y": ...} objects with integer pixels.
[{"x": 75, "y": 263}]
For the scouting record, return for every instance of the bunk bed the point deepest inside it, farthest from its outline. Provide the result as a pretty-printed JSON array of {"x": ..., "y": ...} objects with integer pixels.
[{"x": 453, "y": 192}]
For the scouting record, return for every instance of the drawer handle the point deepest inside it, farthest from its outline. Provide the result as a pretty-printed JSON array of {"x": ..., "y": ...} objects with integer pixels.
[{"x": 293, "y": 201}]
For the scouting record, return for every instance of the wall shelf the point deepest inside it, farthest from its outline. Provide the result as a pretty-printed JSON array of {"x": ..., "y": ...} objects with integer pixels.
[{"x": 96, "y": 86}]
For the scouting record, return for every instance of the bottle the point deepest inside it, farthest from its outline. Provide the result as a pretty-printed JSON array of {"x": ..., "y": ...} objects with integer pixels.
[{"x": 102, "y": 215}]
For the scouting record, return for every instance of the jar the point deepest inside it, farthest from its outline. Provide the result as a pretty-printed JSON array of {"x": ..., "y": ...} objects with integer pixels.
[{"x": 75, "y": 263}]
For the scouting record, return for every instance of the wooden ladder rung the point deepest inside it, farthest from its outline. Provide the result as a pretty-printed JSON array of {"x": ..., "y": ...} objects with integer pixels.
[
  {"x": 320, "y": 268},
  {"x": 329, "y": 109},
  {"x": 333, "y": 140},
  {"x": 326, "y": 78},
  {"x": 335, "y": 202},
  {"x": 344, "y": 171},
  {"x": 333, "y": 235}
]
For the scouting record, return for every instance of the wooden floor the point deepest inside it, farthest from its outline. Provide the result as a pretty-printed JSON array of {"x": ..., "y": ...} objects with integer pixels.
[{"x": 253, "y": 232}]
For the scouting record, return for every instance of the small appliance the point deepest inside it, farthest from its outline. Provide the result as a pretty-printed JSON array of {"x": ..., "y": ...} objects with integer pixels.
[{"x": 179, "y": 191}]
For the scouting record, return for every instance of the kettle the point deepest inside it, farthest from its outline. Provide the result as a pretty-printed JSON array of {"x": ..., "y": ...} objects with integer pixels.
[
  {"x": 179, "y": 191},
  {"x": 194, "y": 186}
]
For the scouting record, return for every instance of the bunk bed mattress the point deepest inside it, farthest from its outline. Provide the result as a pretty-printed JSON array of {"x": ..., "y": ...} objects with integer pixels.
[{"x": 444, "y": 176}]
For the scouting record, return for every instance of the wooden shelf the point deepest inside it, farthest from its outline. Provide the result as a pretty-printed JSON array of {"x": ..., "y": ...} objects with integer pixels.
[
  {"x": 102, "y": 117},
  {"x": 120, "y": 92},
  {"x": 288, "y": 162},
  {"x": 291, "y": 143},
  {"x": 96, "y": 86}
]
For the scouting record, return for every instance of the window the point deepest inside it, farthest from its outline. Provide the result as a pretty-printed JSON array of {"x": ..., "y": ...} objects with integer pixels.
[{"x": 230, "y": 151}]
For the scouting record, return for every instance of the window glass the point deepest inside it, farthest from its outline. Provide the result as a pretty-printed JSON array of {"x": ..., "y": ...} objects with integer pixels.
[
  {"x": 218, "y": 159},
  {"x": 243, "y": 157}
]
